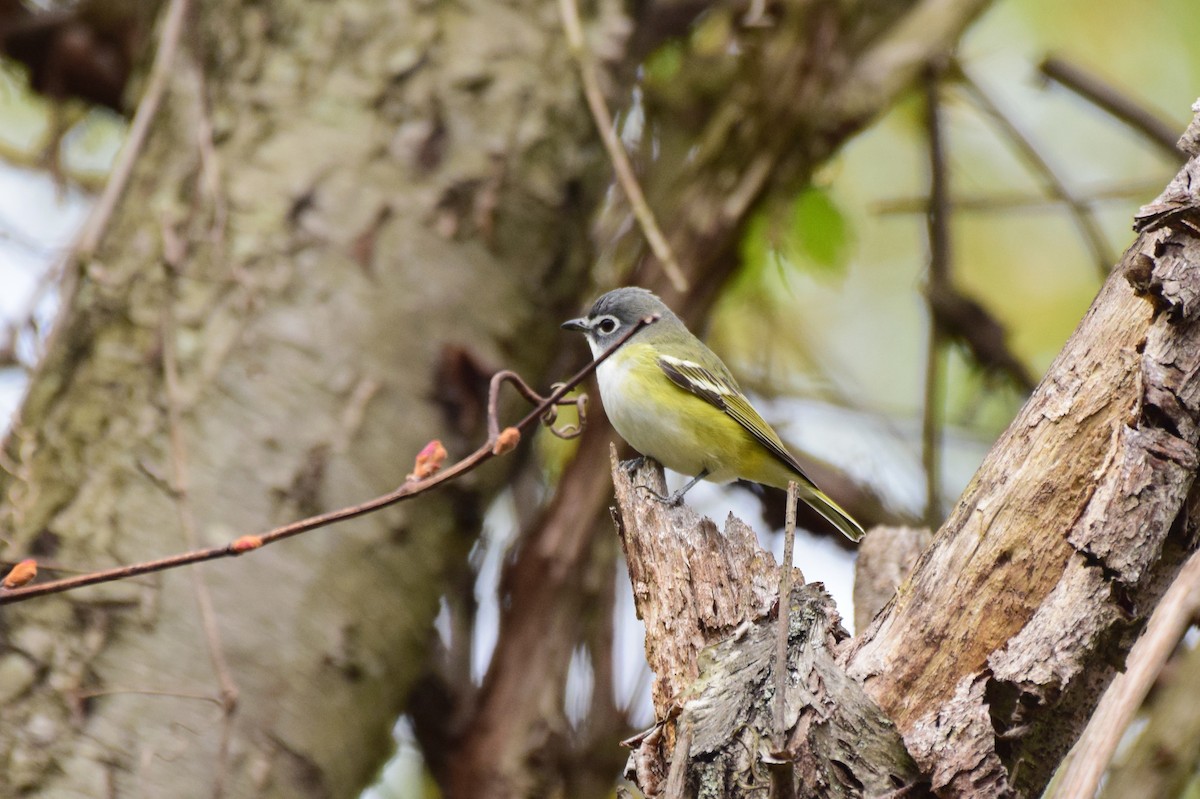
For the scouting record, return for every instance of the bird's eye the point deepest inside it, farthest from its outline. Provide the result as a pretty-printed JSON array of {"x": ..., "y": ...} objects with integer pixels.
[{"x": 607, "y": 325}]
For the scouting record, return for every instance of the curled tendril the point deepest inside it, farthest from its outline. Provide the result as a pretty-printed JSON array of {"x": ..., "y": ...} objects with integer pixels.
[
  {"x": 548, "y": 418},
  {"x": 569, "y": 431},
  {"x": 550, "y": 415}
]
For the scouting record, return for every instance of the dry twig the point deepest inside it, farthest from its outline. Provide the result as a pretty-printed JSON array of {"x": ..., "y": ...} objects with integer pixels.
[
  {"x": 1089, "y": 759},
  {"x": 182, "y": 496},
  {"x": 1104, "y": 96},
  {"x": 938, "y": 220},
  {"x": 620, "y": 159},
  {"x": 1084, "y": 220},
  {"x": 782, "y": 771},
  {"x": 1017, "y": 201}
]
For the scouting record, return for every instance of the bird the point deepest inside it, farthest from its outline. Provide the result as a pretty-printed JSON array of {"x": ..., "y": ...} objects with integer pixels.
[{"x": 672, "y": 399}]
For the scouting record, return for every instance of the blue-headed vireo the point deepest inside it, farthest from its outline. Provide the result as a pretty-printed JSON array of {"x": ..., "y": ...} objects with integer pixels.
[{"x": 674, "y": 400}]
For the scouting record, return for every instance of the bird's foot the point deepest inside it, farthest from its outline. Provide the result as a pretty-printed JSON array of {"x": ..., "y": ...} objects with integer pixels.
[
  {"x": 633, "y": 464},
  {"x": 673, "y": 500}
]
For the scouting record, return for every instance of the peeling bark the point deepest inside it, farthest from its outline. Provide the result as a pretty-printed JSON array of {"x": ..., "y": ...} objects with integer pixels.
[{"x": 706, "y": 597}]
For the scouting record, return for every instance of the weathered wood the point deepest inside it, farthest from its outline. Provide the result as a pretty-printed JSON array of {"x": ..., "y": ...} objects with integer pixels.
[
  {"x": 841, "y": 743},
  {"x": 693, "y": 584},
  {"x": 993, "y": 654},
  {"x": 706, "y": 597}
]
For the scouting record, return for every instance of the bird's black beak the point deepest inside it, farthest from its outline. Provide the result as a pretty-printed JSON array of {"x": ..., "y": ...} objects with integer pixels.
[{"x": 578, "y": 325}]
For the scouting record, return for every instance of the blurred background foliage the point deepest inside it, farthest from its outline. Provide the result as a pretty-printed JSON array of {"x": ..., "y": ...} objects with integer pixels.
[
  {"x": 829, "y": 301},
  {"x": 827, "y": 313}
]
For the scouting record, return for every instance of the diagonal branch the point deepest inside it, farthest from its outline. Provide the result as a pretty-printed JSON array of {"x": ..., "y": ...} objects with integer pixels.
[
  {"x": 1096, "y": 91},
  {"x": 1093, "y": 237},
  {"x": 1093, "y": 753},
  {"x": 147, "y": 110},
  {"x": 497, "y": 444},
  {"x": 181, "y": 492},
  {"x": 616, "y": 151}
]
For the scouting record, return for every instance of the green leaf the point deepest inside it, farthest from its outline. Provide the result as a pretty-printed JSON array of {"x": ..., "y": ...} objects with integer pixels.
[
  {"x": 817, "y": 232},
  {"x": 809, "y": 233}
]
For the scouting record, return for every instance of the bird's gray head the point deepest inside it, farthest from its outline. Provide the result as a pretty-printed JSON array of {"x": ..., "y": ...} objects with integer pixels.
[{"x": 614, "y": 313}]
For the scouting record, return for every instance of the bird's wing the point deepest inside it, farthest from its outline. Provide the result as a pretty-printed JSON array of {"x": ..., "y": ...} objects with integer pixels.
[{"x": 722, "y": 392}]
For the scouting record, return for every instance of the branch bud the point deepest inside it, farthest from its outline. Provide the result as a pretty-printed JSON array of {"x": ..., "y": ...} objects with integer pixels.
[
  {"x": 507, "y": 441},
  {"x": 429, "y": 460},
  {"x": 21, "y": 574}
]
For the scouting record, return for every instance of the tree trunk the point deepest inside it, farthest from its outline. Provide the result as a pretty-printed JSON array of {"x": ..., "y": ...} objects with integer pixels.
[{"x": 344, "y": 214}]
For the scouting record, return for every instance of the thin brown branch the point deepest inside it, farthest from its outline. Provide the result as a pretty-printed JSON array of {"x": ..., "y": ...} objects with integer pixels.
[
  {"x": 247, "y": 543},
  {"x": 1018, "y": 201},
  {"x": 548, "y": 418},
  {"x": 938, "y": 223},
  {"x": 156, "y": 88},
  {"x": 1108, "y": 98},
  {"x": 781, "y": 637},
  {"x": 1084, "y": 220},
  {"x": 938, "y": 210},
  {"x": 210, "y": 162},
  {"x": 616, "y": 151},
  {"x": 930, "y": 427},
  {"x": 80, "y": 695},
  {"x": 1093, "y": 752}
]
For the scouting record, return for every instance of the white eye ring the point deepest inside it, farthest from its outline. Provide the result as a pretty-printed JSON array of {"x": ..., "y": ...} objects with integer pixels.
[{"x": 607, "y": 326}]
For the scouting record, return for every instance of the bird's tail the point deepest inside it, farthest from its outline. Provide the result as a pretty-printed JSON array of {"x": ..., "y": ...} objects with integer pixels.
[{"x": 825, "y": 506}]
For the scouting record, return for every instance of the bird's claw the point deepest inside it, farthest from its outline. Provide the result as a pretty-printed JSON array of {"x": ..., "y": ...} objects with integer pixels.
[
  {"x": 633, "y": 464},
  {"x": 673, "y": 500}
]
